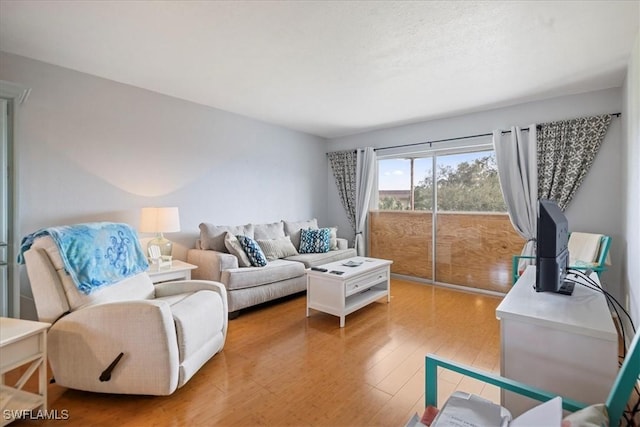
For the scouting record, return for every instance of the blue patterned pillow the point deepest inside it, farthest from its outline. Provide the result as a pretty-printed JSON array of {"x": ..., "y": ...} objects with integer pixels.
[
  {"x": 253, "y": 251},
  {"x": 315, "y": 240}
]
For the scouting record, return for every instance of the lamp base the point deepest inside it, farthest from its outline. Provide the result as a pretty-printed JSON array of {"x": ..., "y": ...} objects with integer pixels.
[{"x": 165, "y": 245}]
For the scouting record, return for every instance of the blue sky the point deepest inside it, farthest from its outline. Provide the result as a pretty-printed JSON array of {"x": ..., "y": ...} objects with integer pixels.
[{"x": 395, "y": 174}]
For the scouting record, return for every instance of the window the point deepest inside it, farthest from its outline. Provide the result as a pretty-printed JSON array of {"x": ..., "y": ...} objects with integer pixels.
[{"x": 469, "y": 182}]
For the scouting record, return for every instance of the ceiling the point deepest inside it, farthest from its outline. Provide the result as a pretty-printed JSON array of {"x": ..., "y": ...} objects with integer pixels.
[{"x": 333, "y": 68}]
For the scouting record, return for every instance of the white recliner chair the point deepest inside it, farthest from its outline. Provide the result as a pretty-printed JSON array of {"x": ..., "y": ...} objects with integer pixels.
[{"x": 165, "y": 333}]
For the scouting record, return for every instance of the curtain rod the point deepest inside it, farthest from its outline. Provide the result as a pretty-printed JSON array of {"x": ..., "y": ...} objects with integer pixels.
[{"x": 458, "y": 138}]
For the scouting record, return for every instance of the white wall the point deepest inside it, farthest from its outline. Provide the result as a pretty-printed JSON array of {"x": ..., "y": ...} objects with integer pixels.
[
  {"x": 631, "y": 186},
  {"x": 92, "y": 149},
  {"x": 596, "y": 206}
]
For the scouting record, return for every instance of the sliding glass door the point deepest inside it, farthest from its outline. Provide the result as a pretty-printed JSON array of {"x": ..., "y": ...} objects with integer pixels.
[
  {"x": 12, "y": 96},
  {"x": 456, "y": 231}
]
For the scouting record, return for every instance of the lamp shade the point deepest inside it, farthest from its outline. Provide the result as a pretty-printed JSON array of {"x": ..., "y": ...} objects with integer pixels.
[{"x": 159, "y": 220}]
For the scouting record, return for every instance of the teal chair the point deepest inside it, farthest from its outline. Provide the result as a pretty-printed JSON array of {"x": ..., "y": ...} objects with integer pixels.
[
  {"x": 599, "y": 266},
  {"x": 615, "y": 403}
]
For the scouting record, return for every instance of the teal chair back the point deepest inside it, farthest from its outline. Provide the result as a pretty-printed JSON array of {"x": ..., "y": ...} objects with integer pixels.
[
  {"x": 616, "y": 402},
  {"x": 623, "y": 385},
  {"x": 605, "y": 243},
  {"x": 599, "y": 267}
]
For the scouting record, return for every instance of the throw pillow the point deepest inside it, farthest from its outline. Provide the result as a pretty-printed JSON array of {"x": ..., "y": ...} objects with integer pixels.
[
  {"x": 277, "y": 248},
  {"x": 333, "y": 240},
  {"x": 292, "y": 228},
  {"x": 234, "y": 247},
  {"x": 212, "y": 236},
  {"x": 591, "y": 416},
  {"x": 253, "y": 251},
  {"x": 314, "y": 241}
]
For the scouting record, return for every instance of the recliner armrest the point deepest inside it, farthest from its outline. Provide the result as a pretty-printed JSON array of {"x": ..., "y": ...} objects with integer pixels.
[
  {"x": 210, "y": 263},
  {"x": 175, "y": 287},
  {"x": 165, "y": 289}
]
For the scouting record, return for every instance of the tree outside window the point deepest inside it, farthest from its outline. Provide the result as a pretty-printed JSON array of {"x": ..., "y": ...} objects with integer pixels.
[{"x": 466, "y": 182}]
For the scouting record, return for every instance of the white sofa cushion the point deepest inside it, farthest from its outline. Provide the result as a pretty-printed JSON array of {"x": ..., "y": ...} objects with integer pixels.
[
  {"x": 268, "y": 231},
  {"x": 314, "y": 260},
  {"x": 212, "y": 236},
  {"x": 234, "y": 247},
  {"x": 248, "y": 277},
  {"x": 292, "y": 228}
]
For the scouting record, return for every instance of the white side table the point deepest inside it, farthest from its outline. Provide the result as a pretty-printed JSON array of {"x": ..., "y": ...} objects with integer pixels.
[
  {"x": 22, "y": 342},
  {"x": 179, "y": 270}
]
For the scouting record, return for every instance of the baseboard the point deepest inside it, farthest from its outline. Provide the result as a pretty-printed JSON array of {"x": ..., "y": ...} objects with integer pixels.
[{"x": 460, "y": 288}]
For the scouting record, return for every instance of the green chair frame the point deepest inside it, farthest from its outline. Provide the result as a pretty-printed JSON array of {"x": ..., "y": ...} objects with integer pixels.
[
  {"x": 599, "y": 267},
  {"x": 615, "y": 403}
]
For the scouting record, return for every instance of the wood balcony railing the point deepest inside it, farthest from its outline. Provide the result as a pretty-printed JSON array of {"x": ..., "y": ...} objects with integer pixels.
[{"x": 472, "y": 249}]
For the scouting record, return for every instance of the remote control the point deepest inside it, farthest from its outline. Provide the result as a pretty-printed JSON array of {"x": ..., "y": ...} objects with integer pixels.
[{"x": 324, "y": 270}]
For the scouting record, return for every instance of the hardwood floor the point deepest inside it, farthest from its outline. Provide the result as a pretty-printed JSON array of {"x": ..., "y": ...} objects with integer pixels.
[{"x": 279, "y": 368}]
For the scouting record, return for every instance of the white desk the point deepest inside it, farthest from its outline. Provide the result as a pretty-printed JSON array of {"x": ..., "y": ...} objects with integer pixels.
[
  {"x": 564, "y": 344},
  {"x": 178, "y": 270},
  {"x": 22, "y": 342}
]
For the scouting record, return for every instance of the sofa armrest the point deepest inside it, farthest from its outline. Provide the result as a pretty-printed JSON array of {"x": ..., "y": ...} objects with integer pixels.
[
  {"x": 210, "y": 263},
  {"x": 342, "y": 243},
  {"x": 83, "y": 343}
]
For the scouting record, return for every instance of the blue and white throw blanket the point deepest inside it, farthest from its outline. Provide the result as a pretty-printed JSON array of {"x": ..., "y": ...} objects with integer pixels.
[{"x": 94, "y": 254}]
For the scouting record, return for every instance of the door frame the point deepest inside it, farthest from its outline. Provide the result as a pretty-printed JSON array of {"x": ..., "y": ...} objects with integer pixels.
[{"x": 16, "y": 95}]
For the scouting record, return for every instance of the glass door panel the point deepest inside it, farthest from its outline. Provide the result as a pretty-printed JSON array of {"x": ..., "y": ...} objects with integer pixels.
[
  {"x": 401, "y": 229},
  {"x": 4, "y": 210},
  {"x": 474, "y": 237}
]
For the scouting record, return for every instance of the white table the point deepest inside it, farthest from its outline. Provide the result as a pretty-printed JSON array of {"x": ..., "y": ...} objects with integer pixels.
[
  {"x": 564, "y": 344},
  {"x": 178, "y": 270},
  {"x": 355, "y": 288},
  {"x": 22, "y": 342}
]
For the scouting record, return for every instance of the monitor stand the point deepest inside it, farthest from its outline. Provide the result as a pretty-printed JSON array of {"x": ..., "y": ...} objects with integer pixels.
[{"x": 566, "y": 288}]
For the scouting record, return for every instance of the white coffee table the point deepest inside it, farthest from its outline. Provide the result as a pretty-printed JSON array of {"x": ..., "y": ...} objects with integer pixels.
[{"x": 356, "y": 287}]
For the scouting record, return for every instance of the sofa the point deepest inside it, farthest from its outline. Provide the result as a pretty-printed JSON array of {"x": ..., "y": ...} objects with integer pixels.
[{"x": 219, "y": 259}]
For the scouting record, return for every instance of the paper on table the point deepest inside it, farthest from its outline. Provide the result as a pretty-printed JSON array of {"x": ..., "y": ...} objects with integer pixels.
[
  {"x": 467, "y": 410},
  {"x": 548, "y": 413}
]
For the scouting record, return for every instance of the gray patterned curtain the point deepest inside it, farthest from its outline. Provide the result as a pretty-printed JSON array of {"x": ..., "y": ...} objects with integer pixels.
[
  {"x": 566, "y": 150},
  {"x": 343, "y": 164}
]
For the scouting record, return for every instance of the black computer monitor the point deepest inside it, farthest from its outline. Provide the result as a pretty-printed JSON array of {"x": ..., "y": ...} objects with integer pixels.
[{"x": 552, "y": 253}]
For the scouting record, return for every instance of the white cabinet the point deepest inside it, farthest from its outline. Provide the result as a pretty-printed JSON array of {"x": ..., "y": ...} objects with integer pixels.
[{"x": 564, "y": 344}]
